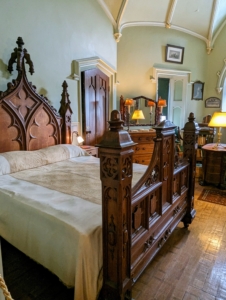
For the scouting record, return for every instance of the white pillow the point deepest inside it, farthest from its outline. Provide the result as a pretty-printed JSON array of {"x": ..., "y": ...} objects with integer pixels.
[{"x": 15, "y": 161}]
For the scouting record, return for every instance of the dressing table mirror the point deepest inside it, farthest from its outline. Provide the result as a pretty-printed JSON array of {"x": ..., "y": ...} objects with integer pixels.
[{"x": 138, "y": 111}]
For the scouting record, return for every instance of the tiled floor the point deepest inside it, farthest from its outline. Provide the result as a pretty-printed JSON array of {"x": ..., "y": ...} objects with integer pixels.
[{"x": 192, "y": 263}]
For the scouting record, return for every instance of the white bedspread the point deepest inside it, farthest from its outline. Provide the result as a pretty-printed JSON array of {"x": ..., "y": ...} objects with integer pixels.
[{"x": 52, "y": 213}]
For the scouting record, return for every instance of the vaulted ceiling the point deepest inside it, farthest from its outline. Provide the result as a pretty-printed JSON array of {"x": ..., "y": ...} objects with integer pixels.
[{"x": 201, "y": 18}]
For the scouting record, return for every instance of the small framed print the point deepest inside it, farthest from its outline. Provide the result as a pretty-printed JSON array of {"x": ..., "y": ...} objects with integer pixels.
[
  {"x": 213, "y": 102},
  {"x": 197, "y": 90},
  {"x": 174, "y": 54}
]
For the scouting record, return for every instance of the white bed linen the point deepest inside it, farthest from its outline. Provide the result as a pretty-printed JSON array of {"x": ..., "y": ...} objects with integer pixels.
[{"x": 59, "y": 230}]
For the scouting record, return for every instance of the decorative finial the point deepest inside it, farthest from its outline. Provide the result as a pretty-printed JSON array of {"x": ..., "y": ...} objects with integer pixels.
[
  {"x": 18, "y": 57},
  {"x": 20, "y": 43},
  {"x": 65, "y": 101},
  {"x": 116, "y": 123}
]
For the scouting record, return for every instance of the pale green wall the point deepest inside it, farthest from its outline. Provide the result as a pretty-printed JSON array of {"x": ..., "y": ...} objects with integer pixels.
[
  {"x": 55, "y": 33},
  {"x": 141, "y": 48}
]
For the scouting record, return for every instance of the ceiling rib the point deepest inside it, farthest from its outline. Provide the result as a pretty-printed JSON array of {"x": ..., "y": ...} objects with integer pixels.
[
  {"x": 218, "y": 31},
  {"x": 189, "y": 32},
  {"x": 170, "y": 13},
  {"x": 141, "y": 23},
  {"x": 212, "y": 20},
  {"x": 117, "y": 33},
  {"x": 108, "y": 13},
  {"x": 121, "y": 12}
]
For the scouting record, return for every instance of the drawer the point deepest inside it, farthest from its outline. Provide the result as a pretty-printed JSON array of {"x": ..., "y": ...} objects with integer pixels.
[
  {"x": 143, "y": 139},
  {"x": 142, "y": 159},
  {"x": 214, "y": 160},
  {"x": 213, "y": 178},
  {"x": 143, "y": 149},
  {"x": 93, "y": 151},
  {"x": 213, "y": 154},
  {"x": 213, "y": 169}
]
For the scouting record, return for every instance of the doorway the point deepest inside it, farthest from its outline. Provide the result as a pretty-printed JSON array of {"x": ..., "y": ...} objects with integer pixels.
[
  {"x": 163, "y": 92},
  {"x": 172, "y": 85}
]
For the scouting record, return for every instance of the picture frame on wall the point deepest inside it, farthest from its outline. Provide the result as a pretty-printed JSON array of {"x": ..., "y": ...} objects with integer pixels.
[
  {"x": 213, "y": 102},
  {"x": 197, "y": 90},
  {"x": 174, "y": 54}
]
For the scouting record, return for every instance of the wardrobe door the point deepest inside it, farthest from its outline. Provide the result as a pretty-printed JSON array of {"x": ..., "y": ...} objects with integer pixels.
[{"x": 95, "y": 105}]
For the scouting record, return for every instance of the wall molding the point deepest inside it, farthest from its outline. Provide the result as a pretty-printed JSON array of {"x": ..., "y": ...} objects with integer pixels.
[{"x": 158, "y": 72}]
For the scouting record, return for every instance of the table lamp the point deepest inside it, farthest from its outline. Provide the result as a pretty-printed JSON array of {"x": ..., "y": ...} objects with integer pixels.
[
  {"x": 128, "y": 103},
  {"x": 218, "y": 120},
  {"x": 138, "y": 115},
  {"x": 151, "y": 104},
  {"x": 161, "y": 104},
  {"x": 79, "y": 140}
]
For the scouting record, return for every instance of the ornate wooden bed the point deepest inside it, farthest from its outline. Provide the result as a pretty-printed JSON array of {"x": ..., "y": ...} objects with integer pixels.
[{"x": 137, "y": 220}]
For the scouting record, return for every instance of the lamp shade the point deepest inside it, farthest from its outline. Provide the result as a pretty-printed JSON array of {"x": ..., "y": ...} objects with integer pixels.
[
  {"x": 138, "y": 115},
  {"x": 128, "y": 102},
  {"x": 150, "y": 103},
  {"x": 80, "y": 139},
  {"x": 218, "y": 119},
  {"x": 162, "y": 103}
]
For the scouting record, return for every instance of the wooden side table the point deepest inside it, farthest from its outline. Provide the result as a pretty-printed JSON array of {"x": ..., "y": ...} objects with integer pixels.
[
  {"x": 92, "y": 150},
  {"x": 214, "y": 165}
]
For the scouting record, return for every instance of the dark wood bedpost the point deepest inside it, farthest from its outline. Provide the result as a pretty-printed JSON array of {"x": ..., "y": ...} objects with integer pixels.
[
  {"x": 115, "y": 152},
  {"x": 65, "y": 112},
  {"x": 190, "y": 138}
]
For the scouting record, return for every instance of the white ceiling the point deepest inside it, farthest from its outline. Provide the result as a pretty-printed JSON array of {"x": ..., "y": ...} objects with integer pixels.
[{"x": 201, "y": 18}]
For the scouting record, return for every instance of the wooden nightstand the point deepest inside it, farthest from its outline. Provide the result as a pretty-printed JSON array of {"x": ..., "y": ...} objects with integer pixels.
[
  {"x": 92, "y": 150},
  {"x": 214, "y": 165}
]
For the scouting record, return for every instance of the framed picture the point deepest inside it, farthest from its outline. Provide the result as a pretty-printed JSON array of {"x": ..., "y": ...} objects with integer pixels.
[
  {"x": 174, "y": 54},
  {"x": 213, "y": 102},
  {"x": 197, "y": 90}
]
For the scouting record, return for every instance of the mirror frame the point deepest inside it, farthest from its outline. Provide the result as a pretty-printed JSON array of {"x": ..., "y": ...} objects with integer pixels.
[{"x": 124, "y": 110}]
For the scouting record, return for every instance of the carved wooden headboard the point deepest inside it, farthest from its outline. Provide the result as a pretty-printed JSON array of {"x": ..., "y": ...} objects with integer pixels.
[{"x": 27, "y": 120}]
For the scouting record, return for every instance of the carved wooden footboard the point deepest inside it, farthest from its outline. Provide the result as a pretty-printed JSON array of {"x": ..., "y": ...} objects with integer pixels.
[{"x": 137, "y": 221}]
